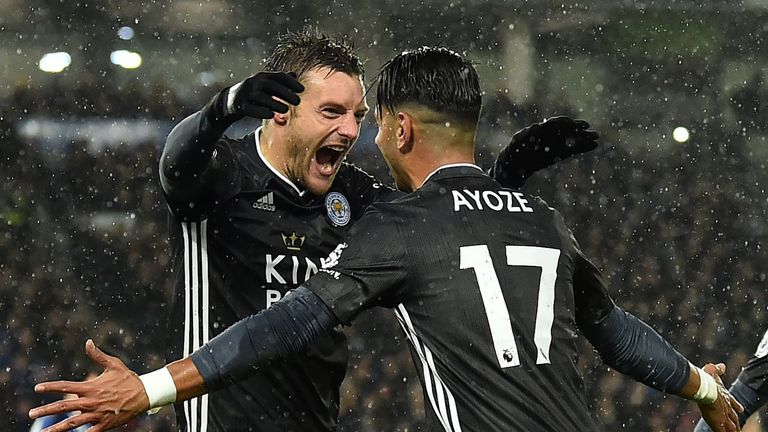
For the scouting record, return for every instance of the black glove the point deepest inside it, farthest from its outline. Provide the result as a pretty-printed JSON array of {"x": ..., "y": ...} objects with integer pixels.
[
  {"x": 253, "y": 97},
  {"x": 541, "y": 145}
]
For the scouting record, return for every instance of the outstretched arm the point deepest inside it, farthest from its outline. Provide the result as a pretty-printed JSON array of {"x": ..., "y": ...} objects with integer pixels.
[
  {"x": 189, "y": 147},
  {"x": 633, "y": 348},
  {"x": 118, "y": 394}
]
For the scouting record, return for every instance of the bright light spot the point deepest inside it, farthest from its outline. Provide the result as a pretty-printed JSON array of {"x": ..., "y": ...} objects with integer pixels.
[
  {"x": 125, "y": 59},
  {"x": 54, "y": 62},
  {"x": 680, "y": 134},
  {"x": 125, "y": 33}
]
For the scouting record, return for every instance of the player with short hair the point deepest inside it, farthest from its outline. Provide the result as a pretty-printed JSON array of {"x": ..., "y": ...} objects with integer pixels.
[
  {"x": 487, "y": 282},
  {"x": 253, "y": 218}
]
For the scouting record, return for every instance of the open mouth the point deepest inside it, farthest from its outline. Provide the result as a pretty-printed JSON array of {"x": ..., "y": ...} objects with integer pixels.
[{"x": 329, "y": 157}]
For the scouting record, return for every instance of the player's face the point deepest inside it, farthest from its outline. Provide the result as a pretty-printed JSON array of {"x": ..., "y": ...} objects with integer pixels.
[
  {"x": 323, "y": 127},
  {"x": 386, "y": 140}
]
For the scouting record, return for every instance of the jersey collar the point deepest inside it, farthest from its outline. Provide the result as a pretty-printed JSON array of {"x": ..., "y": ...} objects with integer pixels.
[
  {"x": 449, "y": 166},
  {"x": 257, "y": 138}
]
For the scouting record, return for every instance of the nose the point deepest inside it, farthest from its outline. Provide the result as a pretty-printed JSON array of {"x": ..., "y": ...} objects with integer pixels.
[{"x": 349, "y": 128}]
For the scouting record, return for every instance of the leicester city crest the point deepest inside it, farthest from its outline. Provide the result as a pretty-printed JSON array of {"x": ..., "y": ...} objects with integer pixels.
[{"x": 338, "y": 208}]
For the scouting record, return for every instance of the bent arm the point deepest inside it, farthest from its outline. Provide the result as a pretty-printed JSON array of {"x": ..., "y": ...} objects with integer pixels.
[{"x": 189, "y": 149}]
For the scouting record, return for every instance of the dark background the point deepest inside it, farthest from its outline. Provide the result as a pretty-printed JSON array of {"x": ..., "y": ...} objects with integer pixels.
[{"x": 678, "y": 228}]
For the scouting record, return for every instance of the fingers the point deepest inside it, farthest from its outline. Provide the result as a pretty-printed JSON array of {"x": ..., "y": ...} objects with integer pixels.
[
  {"x": 260, "y": 112},
  {"x": 581, "y": 124},
  {"x": 61, "y": 387},
  {"x": 736, "y": 405},
  {"x": 714, "y": 369},
  {"x": 282, "y": 85},
  {"x": 72, "y": 422},
  {"x": 288, "y": 80},
  {"x": 565, "y": 121},
  {"x": 728, "y": 408},
  {"x": 267, "y": 93},
  {"x": 590, "y": 134},
  {"x": 582, "y": 147},
  {"x": 262, "y": 100},
  {"x": 58, "y": 407},
  {"x": 97, "y": 355}
]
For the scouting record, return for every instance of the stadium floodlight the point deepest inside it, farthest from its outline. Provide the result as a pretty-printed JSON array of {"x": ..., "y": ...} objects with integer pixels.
[
  {"x": 125, "y": 59},
  {"x": 125, "y": 33},
  {"x": 54, "y": 62},
  {"x": 680, "y": 134}
]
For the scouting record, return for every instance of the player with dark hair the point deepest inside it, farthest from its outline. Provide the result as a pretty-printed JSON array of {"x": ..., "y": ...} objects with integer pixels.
[
  {"x": 487, "y": 282},
  {"x": 751, "y": 386},
  {"x": 253, "y": 218}
]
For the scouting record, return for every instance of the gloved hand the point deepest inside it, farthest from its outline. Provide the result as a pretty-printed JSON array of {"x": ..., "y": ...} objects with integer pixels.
[
  {"x": 541, "y": 145},
  {"x": 254, "y": 97}
]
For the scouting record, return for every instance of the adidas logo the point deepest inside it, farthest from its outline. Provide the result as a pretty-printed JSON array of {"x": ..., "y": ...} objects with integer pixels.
[{"x": 267, "y": 202}]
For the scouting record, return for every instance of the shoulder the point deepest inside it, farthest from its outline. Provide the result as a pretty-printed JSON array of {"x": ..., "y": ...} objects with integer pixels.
[
  {"x": 383, "y": 216},
  {"x": 227, "y": 148},
  {"x": 352, "y": 177},
  {"x": 239, "y": 154}
]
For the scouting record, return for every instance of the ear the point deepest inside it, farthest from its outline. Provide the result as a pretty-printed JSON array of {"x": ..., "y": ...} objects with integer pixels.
[
  {"x": 404, "y": 132},
  {"x": 281, "y": 119}
]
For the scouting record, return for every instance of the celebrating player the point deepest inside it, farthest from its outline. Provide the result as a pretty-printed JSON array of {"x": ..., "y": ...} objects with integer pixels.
[
  {"x": 255, "y": 216},
  {"x": 488, "y": 283}
]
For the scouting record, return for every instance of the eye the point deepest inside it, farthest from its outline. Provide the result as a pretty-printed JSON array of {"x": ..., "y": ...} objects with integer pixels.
[
  {"x": 331, "y": 112},
  {"x": 359, "y": 117}
]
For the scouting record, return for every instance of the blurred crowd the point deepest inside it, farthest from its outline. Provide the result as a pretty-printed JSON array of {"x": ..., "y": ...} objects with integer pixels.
[{"x": 678, "y": 234}]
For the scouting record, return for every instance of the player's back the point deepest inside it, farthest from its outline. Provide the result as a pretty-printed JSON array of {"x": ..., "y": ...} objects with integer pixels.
[{"x": 488, "y": 306}]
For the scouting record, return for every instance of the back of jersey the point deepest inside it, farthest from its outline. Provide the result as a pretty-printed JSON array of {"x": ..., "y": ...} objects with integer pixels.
[{"x": 488, "y": 305}]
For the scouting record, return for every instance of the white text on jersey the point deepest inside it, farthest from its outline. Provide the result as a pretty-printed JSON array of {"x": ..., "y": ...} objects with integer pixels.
[
  {"x": 273, "y": 275},
  {"x": 490, "y": 200}
]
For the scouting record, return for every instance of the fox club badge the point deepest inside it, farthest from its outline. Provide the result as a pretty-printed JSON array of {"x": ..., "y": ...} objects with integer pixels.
[{"x": 338, "y": 209}]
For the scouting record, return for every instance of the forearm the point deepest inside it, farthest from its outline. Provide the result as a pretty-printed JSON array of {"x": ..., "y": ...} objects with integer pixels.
[
  {"x": 189, "y": 148},
  {"x": 285, "y": 328},
  {"x": 633, "y": 348}
]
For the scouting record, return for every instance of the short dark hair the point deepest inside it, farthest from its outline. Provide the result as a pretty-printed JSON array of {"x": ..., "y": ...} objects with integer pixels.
[
  {"x": 436, "y": 78},
  {"x": 299, "y": 52}
]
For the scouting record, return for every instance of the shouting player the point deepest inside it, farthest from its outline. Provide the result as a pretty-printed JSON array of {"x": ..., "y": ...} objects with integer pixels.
[
  {"x": 487, "y": 282},
  {"x": 255, "y": 216}
]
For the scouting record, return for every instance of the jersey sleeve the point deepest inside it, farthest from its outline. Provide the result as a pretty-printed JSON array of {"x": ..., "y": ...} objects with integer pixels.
[
  {"x": 591, "y": 298},
  {"x": 197, "y": 166},
  {"x": 755, "y": 373},
  {"x": 217, "y": 183},
  {"x": 368, "y": 269}
]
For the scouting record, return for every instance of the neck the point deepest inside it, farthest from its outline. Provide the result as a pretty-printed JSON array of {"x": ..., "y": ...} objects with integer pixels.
[
  {"x": 269, "y": 147},
  {"x": 436, "y": 145},
  {"x": 273, "y": 150},
  {"x": 431, "y": 157},
  {"x": 418, "y": 177}
]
